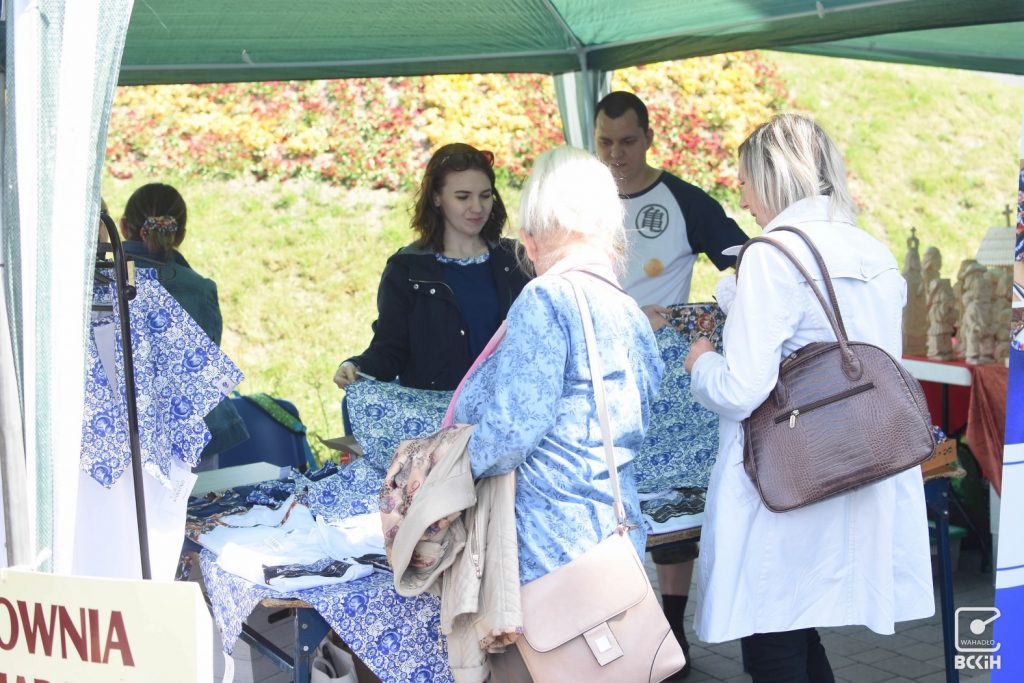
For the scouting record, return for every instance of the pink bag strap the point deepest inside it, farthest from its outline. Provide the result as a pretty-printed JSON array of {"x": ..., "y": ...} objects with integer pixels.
[{"x": 499, "y": 334}]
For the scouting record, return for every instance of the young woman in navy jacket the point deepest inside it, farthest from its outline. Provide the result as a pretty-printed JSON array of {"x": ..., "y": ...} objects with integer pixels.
[{"x": 442, "y": 297}]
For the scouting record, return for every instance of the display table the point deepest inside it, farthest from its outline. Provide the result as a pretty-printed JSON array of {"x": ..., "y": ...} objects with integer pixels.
[
  {"x": 937, "y": 494},
  {"x": 398, "y": 638},
  {"x": 967, "y": 399}
]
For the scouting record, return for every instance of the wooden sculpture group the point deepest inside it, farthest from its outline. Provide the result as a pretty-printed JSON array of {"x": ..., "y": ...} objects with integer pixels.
[{"x": 967, "y": 320}]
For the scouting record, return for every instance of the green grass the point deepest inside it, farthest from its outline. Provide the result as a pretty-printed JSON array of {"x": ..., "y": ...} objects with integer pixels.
[{"x": 297, "y": 264}]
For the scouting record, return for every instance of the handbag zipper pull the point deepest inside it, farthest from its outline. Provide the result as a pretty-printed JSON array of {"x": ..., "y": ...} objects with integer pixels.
[{"x": 792, "y": 418}]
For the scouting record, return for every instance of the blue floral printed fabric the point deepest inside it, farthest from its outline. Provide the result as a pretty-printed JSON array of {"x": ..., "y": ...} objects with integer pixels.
[
  {"x": 681, "y": 444},
  {"x": 274, "y": 493},
  {"x": 385, "y": 413},
  {"x": 398, "y": 638},
  {"x": 180, "y": 375},
  {"x": 534, "y": 403},
  {"x": 354, "y": 490},
  {"x": 205, "y": 512}
]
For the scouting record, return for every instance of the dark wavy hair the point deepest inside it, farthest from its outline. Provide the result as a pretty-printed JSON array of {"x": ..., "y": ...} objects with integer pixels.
[
  {"x": 428, "y": 219},
  {"x": 155, "y": 201}
]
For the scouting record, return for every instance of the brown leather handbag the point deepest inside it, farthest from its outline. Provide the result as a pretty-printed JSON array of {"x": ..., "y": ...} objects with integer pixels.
[
  {"x": 597, "y": 619},
  {"x": 842, "y": 414}
]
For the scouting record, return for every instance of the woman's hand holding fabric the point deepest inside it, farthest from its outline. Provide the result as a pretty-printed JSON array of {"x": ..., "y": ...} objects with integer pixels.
[
  {"x": 345, "y": 374},
  {"x": 697, "y": 349}
]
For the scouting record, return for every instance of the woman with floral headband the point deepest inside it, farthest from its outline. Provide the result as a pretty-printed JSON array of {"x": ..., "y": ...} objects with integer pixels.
[
  {"x": 442, "y": 297},
  {"x": 153, "y": 226}
]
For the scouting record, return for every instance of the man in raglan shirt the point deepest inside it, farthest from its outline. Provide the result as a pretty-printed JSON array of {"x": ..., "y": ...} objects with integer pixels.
[{"x": 668, "y": 223}]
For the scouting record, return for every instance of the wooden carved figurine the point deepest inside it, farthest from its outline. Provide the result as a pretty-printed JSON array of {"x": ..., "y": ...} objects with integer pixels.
[
  {"x": 931, "y": 267},
  {"x": 958, "y": 296},
  {"x": 975, "y": 324},
  {"x": 941, "y": 319},
  {"x": 1002, "y": 284},
  {"x": 915, "y": 313}
]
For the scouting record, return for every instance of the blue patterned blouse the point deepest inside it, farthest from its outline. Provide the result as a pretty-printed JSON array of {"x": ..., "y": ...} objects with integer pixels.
[{"x": 534, "y": 403}]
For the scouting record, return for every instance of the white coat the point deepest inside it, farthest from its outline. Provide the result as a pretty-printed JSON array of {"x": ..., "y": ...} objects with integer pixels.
[{"x": 859, "y": 558}]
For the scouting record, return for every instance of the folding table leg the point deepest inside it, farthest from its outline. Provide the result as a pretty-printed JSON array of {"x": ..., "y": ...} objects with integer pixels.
[
  {"x": 310, "y": 629},
  {"x": 937, "y": 496}
]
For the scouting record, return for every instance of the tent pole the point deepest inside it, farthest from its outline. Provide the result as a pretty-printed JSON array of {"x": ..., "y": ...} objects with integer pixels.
[
  {"x": 13, "y": 492},
  {"x": 12, "y": 452},
  {"x": 578, "y": 93},
  {"x": 589, "y": 102}
]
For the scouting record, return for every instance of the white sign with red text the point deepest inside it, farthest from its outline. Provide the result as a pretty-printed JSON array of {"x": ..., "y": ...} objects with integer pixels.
[{"x": 72, "y": 629}]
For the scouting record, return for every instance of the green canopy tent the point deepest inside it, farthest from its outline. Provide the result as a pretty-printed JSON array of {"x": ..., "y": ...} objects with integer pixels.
[
  {"x": 175, "y": 41},
  {"x": 64, "y": 60},
  {"x": 244, "y": 40}
]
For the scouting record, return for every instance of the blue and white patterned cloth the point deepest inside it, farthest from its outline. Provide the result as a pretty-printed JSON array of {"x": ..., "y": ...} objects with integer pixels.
[
  {"x": 534, "y": 406},
  {"x": 398, "y": 638},
  {"x": 384, "y": 413},
  {"x": 381, "y": 415},
  {"x": 678, "y": 450},
  {"x": 681, "y": 444},
  {"x": 180, "y": 375},
  {"x": 354, "y": 490}
]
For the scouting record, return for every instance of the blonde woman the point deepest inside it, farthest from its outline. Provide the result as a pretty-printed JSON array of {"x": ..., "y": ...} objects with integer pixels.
[{"x": 858, "y": 558}]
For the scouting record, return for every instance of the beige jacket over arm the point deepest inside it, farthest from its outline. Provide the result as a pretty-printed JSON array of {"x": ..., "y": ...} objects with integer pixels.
[{"x": 478, "y": 562}]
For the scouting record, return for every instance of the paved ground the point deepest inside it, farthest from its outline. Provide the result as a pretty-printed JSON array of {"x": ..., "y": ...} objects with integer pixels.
[
  {"x": 913, "y": 654},
  {"x": 858, "y": 655}
]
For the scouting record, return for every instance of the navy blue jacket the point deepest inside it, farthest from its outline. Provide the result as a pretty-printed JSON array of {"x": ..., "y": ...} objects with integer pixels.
[{"x": 420, "y": 335}]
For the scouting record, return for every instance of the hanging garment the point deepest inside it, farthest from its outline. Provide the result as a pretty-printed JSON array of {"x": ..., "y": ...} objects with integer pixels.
[{"x": 180, "y": 375}]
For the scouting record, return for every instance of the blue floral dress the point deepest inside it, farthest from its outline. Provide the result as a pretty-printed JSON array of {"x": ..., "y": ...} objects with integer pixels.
[{"x": 533, "y": 402}]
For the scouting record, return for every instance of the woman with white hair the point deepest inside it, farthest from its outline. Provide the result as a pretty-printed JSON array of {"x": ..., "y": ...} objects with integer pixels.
[
  {"x": 858, "y": 558},
  {"x": 533, "y": 399}
]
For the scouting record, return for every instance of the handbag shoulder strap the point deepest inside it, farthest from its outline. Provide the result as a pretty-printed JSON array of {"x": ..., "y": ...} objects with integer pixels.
[
  {"x": 827, "y": 278},
  {"x": 597, "y": 377},
  {"x": 851, "y": 365}
]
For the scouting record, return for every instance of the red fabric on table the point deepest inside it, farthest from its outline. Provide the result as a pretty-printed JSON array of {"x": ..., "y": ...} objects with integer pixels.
[
  {"x": 986, "y": 420},
  {"x": 958, "y": 399},
  {"x": 981, "y": 408}
]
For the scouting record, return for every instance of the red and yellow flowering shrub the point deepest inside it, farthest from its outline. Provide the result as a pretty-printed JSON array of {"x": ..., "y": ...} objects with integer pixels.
[
  {"x": 351, "y": 132},
  {"x": 380, "y": 132},
  {"x": 514, "y": 115}
]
